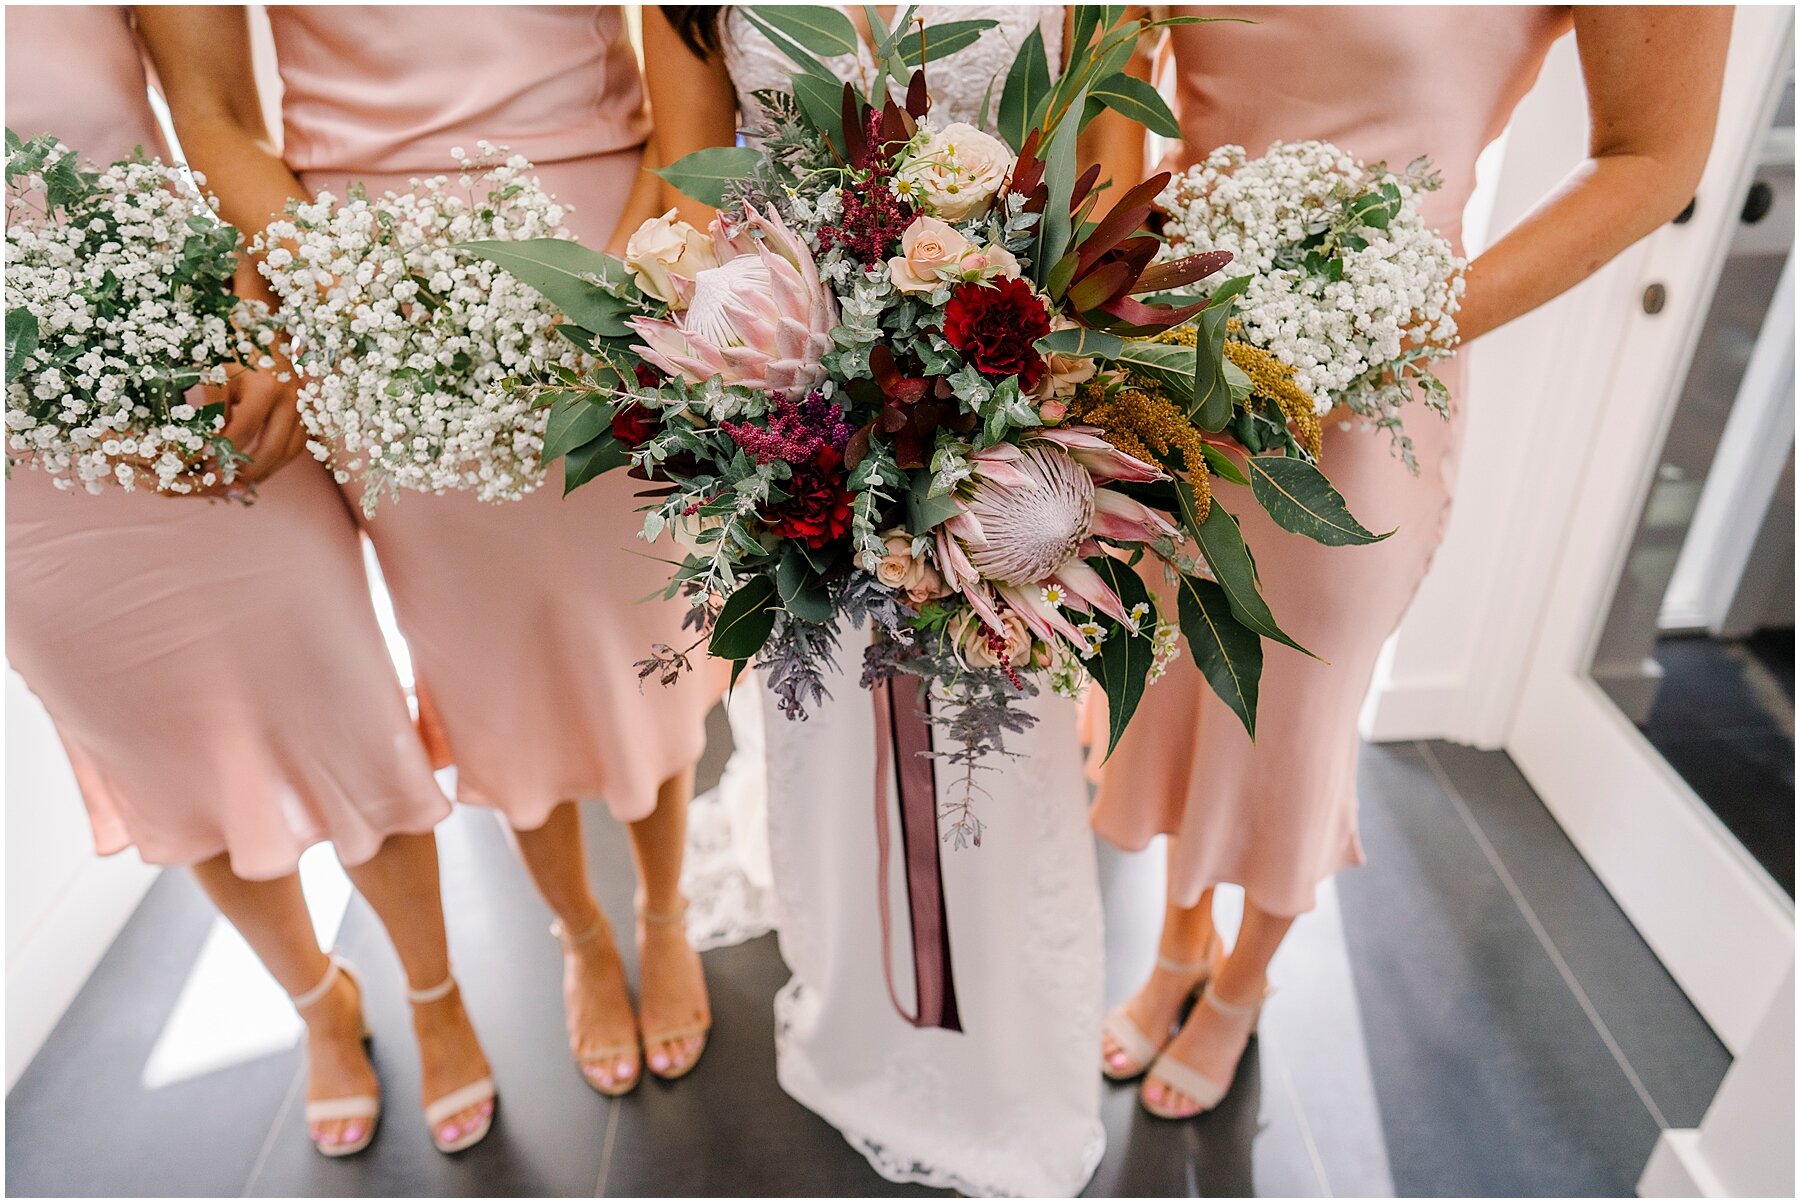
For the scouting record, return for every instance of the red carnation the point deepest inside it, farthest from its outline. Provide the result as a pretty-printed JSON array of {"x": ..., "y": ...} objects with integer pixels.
[
  {"x": 634, "y": 424},
  {"x": 817, "y": 508},
  {"x": 994, "y": 326}
]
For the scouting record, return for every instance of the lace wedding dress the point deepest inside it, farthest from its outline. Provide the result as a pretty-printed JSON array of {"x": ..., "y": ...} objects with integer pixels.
[{"x": 1010, "y": 1105}]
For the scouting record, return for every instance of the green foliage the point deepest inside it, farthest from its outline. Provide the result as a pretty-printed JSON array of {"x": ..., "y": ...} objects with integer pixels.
[
  {"x": 709, "y": 175},
  {"x": 745, "y": 620},
  {"x": 1122, "y": 666},
  {"x": 566, "y": 273},
  {"x": 1299, "y": 498},
  {"x": 1026, "y": 92},
  {"x": 1228, "y": 654}
]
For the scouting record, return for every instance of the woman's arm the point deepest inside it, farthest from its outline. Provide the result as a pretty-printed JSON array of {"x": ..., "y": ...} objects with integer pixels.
[
  {"x": 202, "y": 57},
  {"x": 691, "y": 101},
  {"x": 1113, "y": 141},
  {"x": 1653, "y": 76}
]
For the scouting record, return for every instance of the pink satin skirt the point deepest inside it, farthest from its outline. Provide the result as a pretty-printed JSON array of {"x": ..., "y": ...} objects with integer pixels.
[
  {"x": 215, "y": 671},
  {"x": 526, "y": 618},
  {"x": 1278, "y": 816}
]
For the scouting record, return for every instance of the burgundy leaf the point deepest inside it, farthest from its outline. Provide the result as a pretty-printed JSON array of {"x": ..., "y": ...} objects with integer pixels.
[
  {"x": 917, "y": 100},
  {"x": 853, "y": 125},
  {"x": 1176, "y": 272},
  {"x": 1104, "y": 283}
]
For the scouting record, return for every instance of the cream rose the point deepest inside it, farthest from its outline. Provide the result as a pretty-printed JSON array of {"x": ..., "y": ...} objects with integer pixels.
[
  {"x": 970, "y": 636},
  {"x": 927, "y": 246},
  {"x": 956, "y": 172},
  {"x": 665, "y": 248},
  {"x": 1063, "y": 374},
  {"x": 901, "y": 569}
]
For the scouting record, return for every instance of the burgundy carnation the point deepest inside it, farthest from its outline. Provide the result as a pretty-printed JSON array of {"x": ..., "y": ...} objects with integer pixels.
[
  {"x": 817, "y": 508},
  {"x": 995, "y": 325},
  {"x": 634, "y": 424}
]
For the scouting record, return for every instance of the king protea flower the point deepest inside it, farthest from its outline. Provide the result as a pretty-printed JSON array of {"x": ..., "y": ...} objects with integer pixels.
[
  {"x": 761, "y": 318},
  {"x": 1031, "y": 516}
]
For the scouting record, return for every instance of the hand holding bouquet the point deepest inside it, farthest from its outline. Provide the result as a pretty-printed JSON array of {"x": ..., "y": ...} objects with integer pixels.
[{"x": 118, "y": 304}]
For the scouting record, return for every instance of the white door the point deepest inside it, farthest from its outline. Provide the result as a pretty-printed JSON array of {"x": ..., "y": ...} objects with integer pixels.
[{"x": 1717, "y": 919}]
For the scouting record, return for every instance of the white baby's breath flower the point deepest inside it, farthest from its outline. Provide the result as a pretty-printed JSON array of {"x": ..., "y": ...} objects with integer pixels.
[{"x": 404, "y": 342}]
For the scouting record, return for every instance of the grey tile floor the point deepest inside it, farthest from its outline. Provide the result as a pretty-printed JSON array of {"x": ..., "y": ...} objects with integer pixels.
[{"x": 1468, "y": 1014}]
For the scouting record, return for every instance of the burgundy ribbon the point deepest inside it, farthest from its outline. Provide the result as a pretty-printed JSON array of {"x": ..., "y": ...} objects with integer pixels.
[{"x": 903, "y": 738}]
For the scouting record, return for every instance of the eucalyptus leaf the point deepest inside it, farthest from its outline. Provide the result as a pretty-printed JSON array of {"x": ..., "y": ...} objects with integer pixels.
[
  {"x": 925, "y": 512},
  {"x": 745, "y": 621},
  {"x": 1027, "y": 89},
  {"x": 558, "y": 268},
  {"x": 1228, "y": 654},
  {"x": 1299, "y": 498},
  {"x": 942, "y": 40},
  {"x": 1211, "y": 406},
  {"x": 796, "y": 53},
  {"x": 1122, "y": 667},
  {"x": 575, "y": 419},
  {"x": 822, "y": 100},
  {"x": 1222, "y": 543},
  {"x": 1223, "y": 466},
  {"x": 1054, "y": 227},
  {"x": 1134, "y": 98},
  {"x": 592, "y": 459},
  {"x": 822, "y": 29},
  {"x": 709, "y": 175}
]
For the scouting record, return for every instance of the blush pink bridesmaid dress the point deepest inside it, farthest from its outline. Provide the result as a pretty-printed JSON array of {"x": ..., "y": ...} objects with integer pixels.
[
  {"x": 214, "y": 670},
  {"x": 524, "y": 618},
  {"x": 1385, "y": 83}
]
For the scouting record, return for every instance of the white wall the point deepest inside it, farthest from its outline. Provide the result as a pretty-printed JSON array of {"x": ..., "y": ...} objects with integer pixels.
[{"x": 64, "y": 905}]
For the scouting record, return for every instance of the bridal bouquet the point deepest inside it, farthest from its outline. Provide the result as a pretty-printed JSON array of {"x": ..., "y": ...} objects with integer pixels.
[
  {"x": 925, "y": 377},
  {"x": 403, "y": 343},
  {"x": 118, "y": 303},
  {"x": 1348, "y": 285}
]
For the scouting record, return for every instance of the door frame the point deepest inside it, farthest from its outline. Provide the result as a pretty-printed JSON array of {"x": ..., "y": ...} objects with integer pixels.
[{"x": 1721, "y": 926}]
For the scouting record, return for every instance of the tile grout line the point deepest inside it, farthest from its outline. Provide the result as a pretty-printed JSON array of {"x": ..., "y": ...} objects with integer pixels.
[
  {"x": 268, "y": 1146},
  {"x": 606, "y": 1146},
  {"x": 1306, "y": 1132},
  {"x": 1543, "y": 937}
]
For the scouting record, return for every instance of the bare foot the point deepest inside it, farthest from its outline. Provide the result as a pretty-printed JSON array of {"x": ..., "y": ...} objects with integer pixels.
[
  {"x": 337, "y": 1064},
  {"x": 603, "y": 1033},
  {"x": 1211, "y": 1043},
  {"x": 1157, "y": 1005},
  {"x": 450, "y": 1057},
  {"x": 674, "y": 1009}
]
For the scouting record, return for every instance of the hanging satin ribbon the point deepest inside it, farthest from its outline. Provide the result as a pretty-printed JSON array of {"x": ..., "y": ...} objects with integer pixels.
[{"x": 902, "y": 739}]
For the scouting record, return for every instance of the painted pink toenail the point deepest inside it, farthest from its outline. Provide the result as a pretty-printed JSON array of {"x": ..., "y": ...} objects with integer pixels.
[
  {"x": 352, "y": 1134},
  {"x": 659, "y": 1060},
  {"x": 623, "y": 1069},
  {"x": 448, "y": 1133}
]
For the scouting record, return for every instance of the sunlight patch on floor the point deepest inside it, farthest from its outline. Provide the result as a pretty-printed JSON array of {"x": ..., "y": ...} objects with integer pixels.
[{"x": 230, "y": 1011}]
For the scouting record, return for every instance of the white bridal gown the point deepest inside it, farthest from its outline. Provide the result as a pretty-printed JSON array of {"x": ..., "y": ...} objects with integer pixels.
[{"x": 1011, "y": 1104}]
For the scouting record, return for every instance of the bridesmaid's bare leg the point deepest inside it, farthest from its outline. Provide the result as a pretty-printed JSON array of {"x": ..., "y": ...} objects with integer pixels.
[
  {"x": 272, "y": 917},
  {"x": 1211, "y": 1042},
  {"x": 594, "y": 987},
  {"x": 401, "y": 883},
  {"x": 1184, "y": 954},
  {"x": 673, "y": 984}
]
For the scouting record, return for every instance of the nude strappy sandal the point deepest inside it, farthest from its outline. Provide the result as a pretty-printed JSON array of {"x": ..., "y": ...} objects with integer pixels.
[
  {"x": 442, "y": 1108},
  {"x": 670, "y": 1035},
  {"x": 586, "y": 1059},
  {"x": 348, "y": 1107},
  {"x": 1131, "y": 1039},
  {"x": 1178, "y": 1075}
]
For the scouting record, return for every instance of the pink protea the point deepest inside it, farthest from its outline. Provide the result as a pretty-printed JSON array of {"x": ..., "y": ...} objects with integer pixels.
[
  {"x": 762, "y": 319},
  {"x": 1031, "y": 515}
]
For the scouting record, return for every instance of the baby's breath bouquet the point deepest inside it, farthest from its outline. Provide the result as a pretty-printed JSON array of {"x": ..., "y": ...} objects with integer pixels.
[
  {"x": 403, "y": 342},
  {"x": 1348, "y": 286},
  {"x": 118, "y": 303}
]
